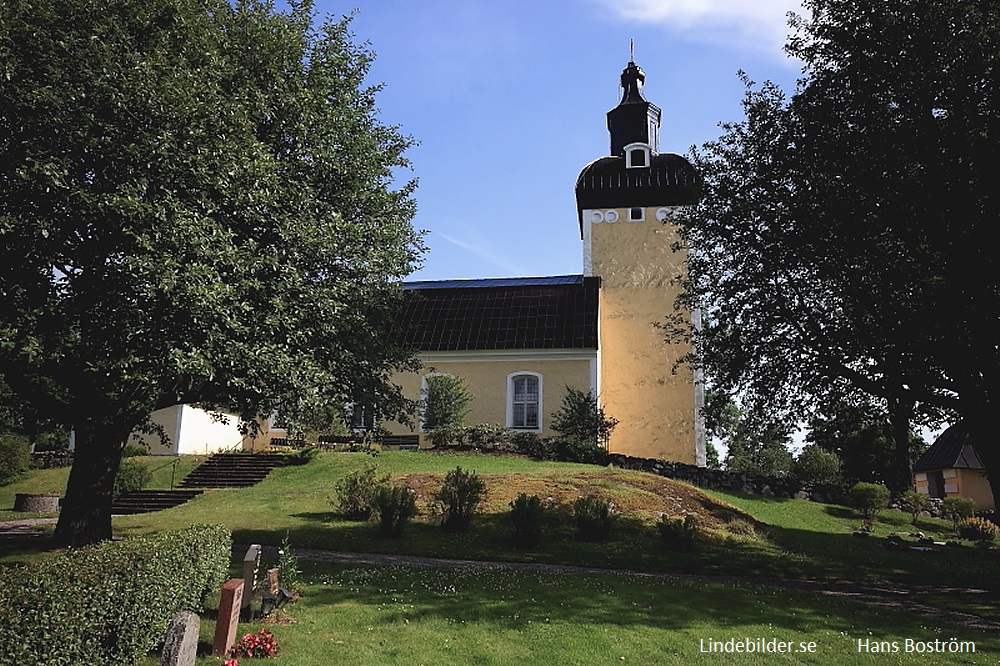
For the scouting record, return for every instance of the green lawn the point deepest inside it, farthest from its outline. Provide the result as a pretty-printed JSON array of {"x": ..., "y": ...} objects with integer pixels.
[
  {"x": 412, "y": 615},
  {"x": 403, "y": 615}
]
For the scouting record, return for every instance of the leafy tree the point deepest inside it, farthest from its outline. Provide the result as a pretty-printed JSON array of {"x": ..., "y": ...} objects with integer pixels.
[
  {"x": 756, "y": 444},
  {"x": 712, "y": 456},
  {"x": 863, "y": 441},
  {"x": 816, "y": 465},
  {"x": 720, "y": 416},
  {"x": 581, "y": 417},
  {"x": 445, "y": 405},
  {"x": 196, "y": 206},
  {"x": 843, "y": 240},
  {"x": 760, "y": 449}
]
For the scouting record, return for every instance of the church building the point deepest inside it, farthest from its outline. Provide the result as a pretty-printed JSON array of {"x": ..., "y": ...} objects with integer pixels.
[{"x": 519, "y": 342}]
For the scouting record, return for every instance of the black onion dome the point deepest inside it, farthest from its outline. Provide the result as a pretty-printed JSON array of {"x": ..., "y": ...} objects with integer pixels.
[{"x": 669, "y": 180}]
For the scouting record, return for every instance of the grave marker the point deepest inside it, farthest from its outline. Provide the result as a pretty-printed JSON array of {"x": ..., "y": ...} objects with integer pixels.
[
  {"x": 181, "y": 644},
  {"x": 273, "y": 582},
  {"x": 251, "y": 563},
  {"x": 230, "y": 603}
]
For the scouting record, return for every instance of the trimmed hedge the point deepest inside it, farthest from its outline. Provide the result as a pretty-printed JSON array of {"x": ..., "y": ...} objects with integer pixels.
[{"x": 109, "y": 603}]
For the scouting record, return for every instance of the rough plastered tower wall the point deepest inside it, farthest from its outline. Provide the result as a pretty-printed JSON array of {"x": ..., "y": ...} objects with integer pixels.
[{"x": 639, "y": 381}]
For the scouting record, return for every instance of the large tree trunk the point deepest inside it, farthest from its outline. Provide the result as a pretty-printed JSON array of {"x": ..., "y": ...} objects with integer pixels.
[
  {"x": 85, "y": 516},
  {"x": 900, "y": 476}
]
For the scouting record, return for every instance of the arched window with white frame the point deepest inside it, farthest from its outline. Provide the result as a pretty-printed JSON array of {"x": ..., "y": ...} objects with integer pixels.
[{"x": 524, "y": 401}]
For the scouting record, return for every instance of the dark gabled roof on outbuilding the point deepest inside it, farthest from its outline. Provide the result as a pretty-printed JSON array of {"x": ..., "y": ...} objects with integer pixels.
[
  {"x": 951, "y": 450},
  {"x": 558, "y": 312}
]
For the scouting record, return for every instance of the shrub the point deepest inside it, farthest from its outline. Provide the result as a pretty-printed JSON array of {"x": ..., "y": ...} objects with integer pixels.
[
  {"x": 913, "y": 503},
  {"x": 569, "y": 449},
  {"x": 14, "y": 458},
  {"x": 594, "y": 518},
  {"x": 526, "y": 514},
  {"x": 528, "y": 444},
  {"x": 356, "y": 491},
  {"x": 447, "y": 435},
  {"x": 741, "y": 527},
  {"x": 979, "y": 530},
  {"x": 133, "y": 450},
  {"x": 816, "y": 466},
  {"x": 581, "y": 417},
  {"x": 678, "y": 534},
  {"x": 868, "y": 498},
  {"x": 459, "y": 496},
  {"x": 957, "y": 508},
  {"x": 394, "y": 504},
  {"x": 303, "y": 456},
  {"x": 487, "y": 436},
  {"x": 132, "y": 475},
  {"x": 109, "y": 603}
]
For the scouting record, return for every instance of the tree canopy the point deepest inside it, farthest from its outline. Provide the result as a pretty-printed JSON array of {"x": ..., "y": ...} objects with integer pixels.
[
  {"x": 862, "y": 439},
  {"x": 843, "y": 240},
  {"x": 196, "y": 206}
]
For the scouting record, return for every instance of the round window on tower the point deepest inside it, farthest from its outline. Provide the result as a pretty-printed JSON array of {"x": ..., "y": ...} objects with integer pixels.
[{"x": 611, "y": 216}]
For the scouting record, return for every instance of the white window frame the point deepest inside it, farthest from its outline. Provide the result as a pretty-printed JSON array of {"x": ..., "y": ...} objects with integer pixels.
[
  {"x": 646, "y": 153},
  {"x": 510, "y": 400}
]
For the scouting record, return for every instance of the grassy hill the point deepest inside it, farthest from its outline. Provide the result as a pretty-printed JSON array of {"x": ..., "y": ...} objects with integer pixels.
[{"x": 740, "y": 535}]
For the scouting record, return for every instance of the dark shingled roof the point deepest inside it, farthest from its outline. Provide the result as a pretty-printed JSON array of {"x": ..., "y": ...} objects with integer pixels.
[
  {"x": 669, "y": 180},
  {"x": 952, "y": 450},
  {"x": 505, "y": 313}
]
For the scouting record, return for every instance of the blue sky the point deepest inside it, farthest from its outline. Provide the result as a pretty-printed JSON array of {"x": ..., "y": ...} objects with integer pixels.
[{"x": 507, "y": 100}]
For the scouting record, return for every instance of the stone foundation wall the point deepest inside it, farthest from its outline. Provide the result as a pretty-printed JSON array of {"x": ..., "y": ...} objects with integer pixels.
[
  {"x": 50, "y": 459},
  {"x": 717, "y": 479}
]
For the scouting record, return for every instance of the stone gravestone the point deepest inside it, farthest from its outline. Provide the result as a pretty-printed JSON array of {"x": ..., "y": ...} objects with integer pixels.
[
  {"x": 273, "y": 582},
  {"x": 251, "y": 563},
  {"x": 181, "y": 644},
  {"x": 230, "y": 602}
]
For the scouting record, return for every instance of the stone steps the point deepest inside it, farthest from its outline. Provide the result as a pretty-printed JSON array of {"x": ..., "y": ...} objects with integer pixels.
[
  {"x": 147, "y": 501},
  {"x": 232, "y": 470}
]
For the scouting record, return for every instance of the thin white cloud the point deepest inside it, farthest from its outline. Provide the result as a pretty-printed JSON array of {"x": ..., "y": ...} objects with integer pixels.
[
  {"x": 483, "y": 254},
  {"x": 760, "y": 25}
]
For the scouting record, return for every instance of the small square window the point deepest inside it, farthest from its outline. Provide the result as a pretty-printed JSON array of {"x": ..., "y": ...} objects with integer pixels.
[{"x": 635, "y": 214}]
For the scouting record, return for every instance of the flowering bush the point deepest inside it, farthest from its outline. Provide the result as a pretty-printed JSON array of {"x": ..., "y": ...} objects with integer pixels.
[
  {"x": 231, "y": 662},
  {"x": 261, "y": 644}
]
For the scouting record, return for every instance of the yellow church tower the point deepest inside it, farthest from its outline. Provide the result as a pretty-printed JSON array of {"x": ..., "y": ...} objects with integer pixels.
[{"x": 627, "y": 203}]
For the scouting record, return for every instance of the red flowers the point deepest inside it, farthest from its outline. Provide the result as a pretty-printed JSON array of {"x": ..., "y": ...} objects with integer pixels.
[{"x": 260, "y": 644}]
